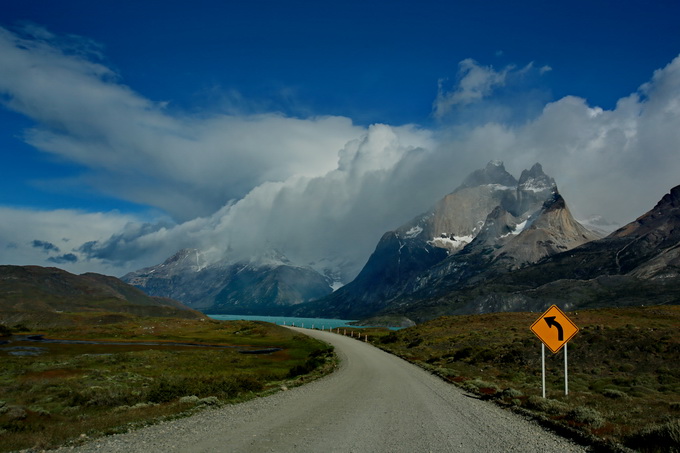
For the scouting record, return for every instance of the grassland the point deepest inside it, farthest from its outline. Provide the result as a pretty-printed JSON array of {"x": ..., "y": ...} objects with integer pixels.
[
  {"x": 72, "y": 392},
  {"x": 624, "y": 370}
]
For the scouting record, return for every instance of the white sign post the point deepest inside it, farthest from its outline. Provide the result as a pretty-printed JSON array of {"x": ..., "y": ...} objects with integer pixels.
[
  {"x": 566, "y": 374},
  {"x": 543, "y": 366},
  {"x": 554, "y": 332}
]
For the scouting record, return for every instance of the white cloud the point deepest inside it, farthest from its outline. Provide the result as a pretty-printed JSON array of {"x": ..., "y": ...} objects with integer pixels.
[
  {"x": 339, "y": 215},
  {"x": 43, "y": 237},
  {"x": 316, "y": 188},
  {"x": 186, "y": 165},
  {"x": 475, "y": 82},
  {"x": 483, "y": 94}
]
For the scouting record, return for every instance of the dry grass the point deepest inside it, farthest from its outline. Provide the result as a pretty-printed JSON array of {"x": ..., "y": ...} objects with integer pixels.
[
  {"x": 624, "y": 369},
  {"x": 72, "y": 392}
]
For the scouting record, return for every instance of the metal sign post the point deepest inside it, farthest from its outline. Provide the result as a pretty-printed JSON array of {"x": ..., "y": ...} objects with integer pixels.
[
  {"x": 566, "y": 373},
  {"x": 543, "y": 366},
  {"x": 554, "y": 329}
]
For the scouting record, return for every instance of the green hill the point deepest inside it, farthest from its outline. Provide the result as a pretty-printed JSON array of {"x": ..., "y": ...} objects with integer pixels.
[{"x": 44, "y": 297}]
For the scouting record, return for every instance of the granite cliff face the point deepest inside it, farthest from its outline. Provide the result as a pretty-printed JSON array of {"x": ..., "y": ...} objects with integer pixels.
[
  {"x": 492, "y": 223},
  {"x": 639, "y": 264}
]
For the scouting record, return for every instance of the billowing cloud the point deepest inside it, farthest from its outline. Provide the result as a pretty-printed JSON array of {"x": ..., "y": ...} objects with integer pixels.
[
  {"x": 60, "y": 231},
  {"x": 483, "y": 94},
  {"x": 320, "y": 189},
  {"x": 186, "y": 165},
  {"x": 45, "y": 246},
  {"x": 65, "y": 258},
  {"x": 475, "y": 82},
  {"x": 335, "y": 218}
]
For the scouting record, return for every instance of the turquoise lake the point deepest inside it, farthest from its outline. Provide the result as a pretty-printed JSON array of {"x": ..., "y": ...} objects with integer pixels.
[{"x": 316, "y": 323}]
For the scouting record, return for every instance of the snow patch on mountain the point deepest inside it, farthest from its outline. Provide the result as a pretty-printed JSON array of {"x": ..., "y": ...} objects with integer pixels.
[
  {"x": 452, "y": 243},
  {"x": 499, "y": 187},
  {"x": 517, "y": 230},
  {"x": 413, "y": 232},
  {"x": 535, "y": 185},
  {"x": 336, "y": 286}
]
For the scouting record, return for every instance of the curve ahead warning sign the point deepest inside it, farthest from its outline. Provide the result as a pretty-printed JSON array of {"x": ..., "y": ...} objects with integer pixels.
[{"x": 554, "y": 328}]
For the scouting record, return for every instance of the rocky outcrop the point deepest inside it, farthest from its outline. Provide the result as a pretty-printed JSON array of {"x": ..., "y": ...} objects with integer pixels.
[{"x": 639, "y": 264}]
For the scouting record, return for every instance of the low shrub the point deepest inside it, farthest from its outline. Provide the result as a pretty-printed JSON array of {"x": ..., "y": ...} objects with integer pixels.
[
  {"x": 107, "y": 397},
  {"x": 480, "y": 386},
  {"x": 547, "y": 405},
  {"x": 169, "y": 389},
  {"x": 389, "y": 338},
  {"x": 209, "y": 401},
  {"x": 511, "y": 393},
  {"x": 657, "y": 438},
  {"x": 315, "y": 360},
  {"x": 614, "y": 394},
  {"x": 192, "y": 399},
  {"x": 164, "y": 390},
  {"x": 587, "y": 416}
]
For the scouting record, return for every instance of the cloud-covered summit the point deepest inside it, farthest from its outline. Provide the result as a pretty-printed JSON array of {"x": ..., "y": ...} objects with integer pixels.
[{"x": 316, "y": 188}]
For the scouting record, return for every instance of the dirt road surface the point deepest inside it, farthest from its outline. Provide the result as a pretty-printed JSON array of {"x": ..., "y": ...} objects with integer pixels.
[{"x": 374, "y": 402}]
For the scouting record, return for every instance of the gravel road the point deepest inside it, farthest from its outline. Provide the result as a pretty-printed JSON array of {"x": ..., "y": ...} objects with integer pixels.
[{"x": 374, "y": 402}]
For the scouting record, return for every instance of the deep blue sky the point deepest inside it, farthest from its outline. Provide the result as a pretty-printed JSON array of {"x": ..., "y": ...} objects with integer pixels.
[{"x": 370, "y": 62}]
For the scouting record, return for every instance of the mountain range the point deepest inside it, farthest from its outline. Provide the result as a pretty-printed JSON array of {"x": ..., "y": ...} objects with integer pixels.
[
  {"x": 637, "y": 265},
  {"x": 490, "y": 225},
  {"x": 496, "y": 243},
  {"x": 263, "y": 285}
]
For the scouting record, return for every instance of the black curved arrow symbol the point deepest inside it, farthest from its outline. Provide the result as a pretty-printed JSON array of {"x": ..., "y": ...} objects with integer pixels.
[{"x": 550, "y": 320}]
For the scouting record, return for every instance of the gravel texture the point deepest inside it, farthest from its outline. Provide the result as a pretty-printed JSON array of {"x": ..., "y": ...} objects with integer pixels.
[{"x": 374, "y": 402}]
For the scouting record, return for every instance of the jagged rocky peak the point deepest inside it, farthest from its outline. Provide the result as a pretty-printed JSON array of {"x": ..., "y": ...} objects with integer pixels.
[
  {"x": 499, "y": 224},
  {"x": 270, "y": 258},
  {"x": 460, "y": 216},
  {"x": 186, "y": 258},
  {"x": 551, "y": 229},
  {"x": 493, "y": 174},
  {"x": 665, "y": 215},
  {"x": 535, "y": 180},
  {"x": 533, "y": 188}
]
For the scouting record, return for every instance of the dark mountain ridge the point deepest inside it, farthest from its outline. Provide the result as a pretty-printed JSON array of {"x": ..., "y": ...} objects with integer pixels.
[
  {"x": 28, "y": 293},
  {"x": 638, "y": 264}
]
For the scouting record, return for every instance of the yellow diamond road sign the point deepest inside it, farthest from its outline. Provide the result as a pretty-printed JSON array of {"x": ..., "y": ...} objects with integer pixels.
[{"x": 554, "y": 329}]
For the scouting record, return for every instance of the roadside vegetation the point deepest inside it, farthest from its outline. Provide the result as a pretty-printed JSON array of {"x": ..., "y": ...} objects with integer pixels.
[
  {"x": 624, "y": 370},
  {"x": 68, "y": 393}
]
